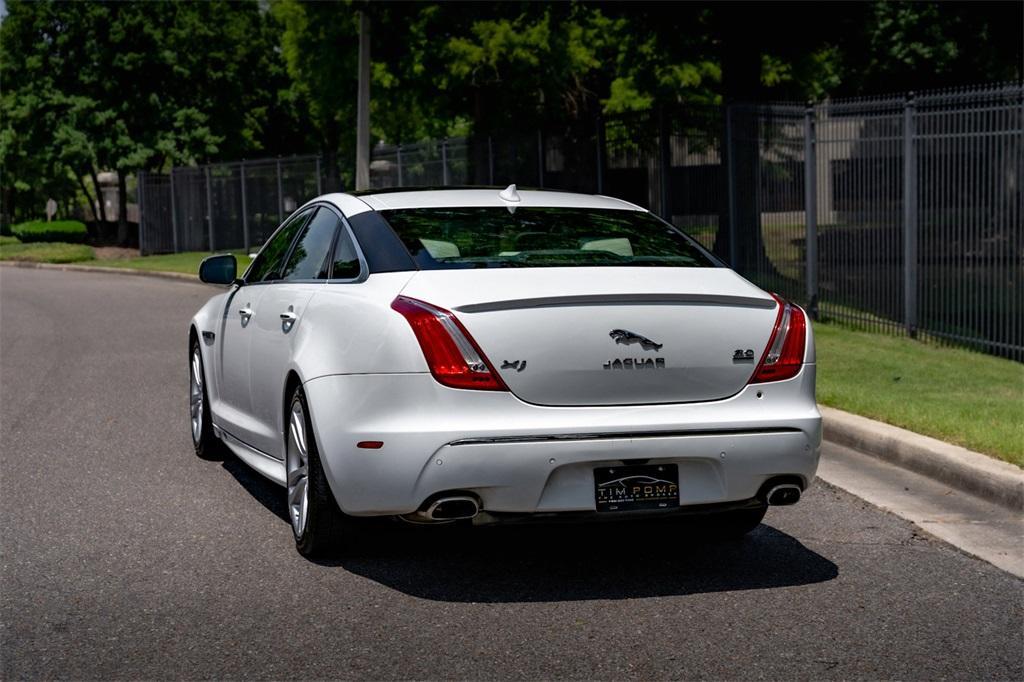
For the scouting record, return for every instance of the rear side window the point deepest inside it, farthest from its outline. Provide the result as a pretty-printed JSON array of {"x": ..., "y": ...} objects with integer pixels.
[
  {"x": 267, "y": 266},
  {"x": 346, "y": 261},
  {"x": 308, "y": 259},
  {"x": 440, "y": 238}
]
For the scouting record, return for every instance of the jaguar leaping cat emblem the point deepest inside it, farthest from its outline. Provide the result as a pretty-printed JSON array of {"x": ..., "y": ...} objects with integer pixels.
[{"x": 627, "y": 337}]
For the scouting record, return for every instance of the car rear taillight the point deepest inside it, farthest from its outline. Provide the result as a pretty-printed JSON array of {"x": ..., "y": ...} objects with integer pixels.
[
  {"x": 784, "y": 355},
  {"x": 453, "y": 357}
]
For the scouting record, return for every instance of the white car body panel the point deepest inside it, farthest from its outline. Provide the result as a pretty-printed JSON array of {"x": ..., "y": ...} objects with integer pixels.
[
  {"x": 531, "y": 449},
  {"x": 487, "y": 197},
  {"x": 346, "y": 203},
  {"x": 270, "y": 357},
  {"x": 350, "y": 329},
  {"x": 732, "y": 450},
  {"x": 700, "y": 316}
]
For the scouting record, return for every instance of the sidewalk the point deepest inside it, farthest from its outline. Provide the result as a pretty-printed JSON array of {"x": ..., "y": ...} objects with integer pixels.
[
  {"x": 990, "y": 532},
  {"x": 967, "y": 499},
  {"x": 96, "y": 268}
]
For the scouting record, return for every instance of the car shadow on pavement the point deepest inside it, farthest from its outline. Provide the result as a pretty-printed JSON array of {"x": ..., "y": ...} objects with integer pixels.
[
  {"x": 538, "y": 563},
  {"x": 544, "y": 563},
  {"x": 267, "y": 493}
]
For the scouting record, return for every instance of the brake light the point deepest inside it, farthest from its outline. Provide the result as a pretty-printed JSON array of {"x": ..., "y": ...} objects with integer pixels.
[
  {"x": 784, "y": 355},
  {"x": 453, "y": 357}
]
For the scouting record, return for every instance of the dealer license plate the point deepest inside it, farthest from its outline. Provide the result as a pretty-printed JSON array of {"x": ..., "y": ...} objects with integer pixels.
[{"x": 630, "y": 488}]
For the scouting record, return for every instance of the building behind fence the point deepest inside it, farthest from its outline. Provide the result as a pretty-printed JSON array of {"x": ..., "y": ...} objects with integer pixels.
[{"x": 805, "y": 201}]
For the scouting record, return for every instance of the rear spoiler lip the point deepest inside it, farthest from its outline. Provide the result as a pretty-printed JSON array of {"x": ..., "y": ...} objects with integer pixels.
[{"x": 766, "y": 303}]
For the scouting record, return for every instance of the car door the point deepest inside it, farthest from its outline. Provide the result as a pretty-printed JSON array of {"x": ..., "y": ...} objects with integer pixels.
[
  {"x": 234, "y": 408},
  {"x": 277, "y": 320}
]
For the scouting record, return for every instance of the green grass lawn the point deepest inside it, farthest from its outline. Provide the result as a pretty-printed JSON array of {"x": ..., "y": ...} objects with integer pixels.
[
  {"x": 45, "y": 252},
  {"x": 958, "y": 396},
  {"x": 187, "y": 262}
]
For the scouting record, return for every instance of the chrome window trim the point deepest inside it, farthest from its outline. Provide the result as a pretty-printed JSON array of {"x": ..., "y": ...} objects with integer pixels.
[
  {"x": 364, "y": 268},
  {"x": 271, "y": 238}
]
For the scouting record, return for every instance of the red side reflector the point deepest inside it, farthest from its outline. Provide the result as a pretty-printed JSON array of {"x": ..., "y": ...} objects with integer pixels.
[
  {"x": 784, "y": 355},
  {"x": 370, "y": 444},
  {"x": 451, "y": 353}
]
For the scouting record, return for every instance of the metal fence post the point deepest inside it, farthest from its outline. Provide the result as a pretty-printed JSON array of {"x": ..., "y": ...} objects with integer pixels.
[
  {"x": 540, "y": 158},
  {"x": 665, "y": 165},
  {"x": 140, "y": 191},
  {"x": 444, "y": 162},
  {"x": 398, "y": 157},
  {"x": 811, "y": 210},
  {"x": 245, "y": 209},
  {"x": 174, "y": 215},
  {"x": 490, "y": 160},
  {"x": 601, "y": 144},
  {"x": 319, "y": 177},
  {"x": 730, "y": 172},
  {"x": 909, "y": 220},
  {"x": 280, "y": 195},
  {"x": 209, "y": 209}
]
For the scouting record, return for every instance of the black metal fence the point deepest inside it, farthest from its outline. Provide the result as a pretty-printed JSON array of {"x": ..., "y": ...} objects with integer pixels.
[
  {"x": 222, "y": 206},
  {"x": 899, "y": 214},
  {"x": 808, "y": 201}
]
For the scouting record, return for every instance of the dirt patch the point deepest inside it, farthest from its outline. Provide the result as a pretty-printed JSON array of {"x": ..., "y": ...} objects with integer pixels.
[{"x": 114, "y": 253}]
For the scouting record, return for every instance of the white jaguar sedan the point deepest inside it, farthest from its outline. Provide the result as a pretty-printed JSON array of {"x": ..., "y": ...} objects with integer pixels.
[{"x": 486, "y": 356}]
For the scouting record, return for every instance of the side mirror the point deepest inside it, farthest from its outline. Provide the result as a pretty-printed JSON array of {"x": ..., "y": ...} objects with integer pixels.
[{"x": 221, "y": 269}]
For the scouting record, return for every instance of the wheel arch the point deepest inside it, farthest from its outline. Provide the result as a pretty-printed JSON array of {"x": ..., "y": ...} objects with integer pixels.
[{"x": 292, "y": 380}]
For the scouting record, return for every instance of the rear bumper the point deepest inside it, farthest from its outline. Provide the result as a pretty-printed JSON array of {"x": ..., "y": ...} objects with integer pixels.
[{"x": 518, "y": 458}]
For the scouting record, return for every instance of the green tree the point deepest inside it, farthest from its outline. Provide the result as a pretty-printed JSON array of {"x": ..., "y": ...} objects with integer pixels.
[
  {"x": 900, "y": 46},
  {"x": 319, "y": 43},
  {"x": 133, "y": 85}
]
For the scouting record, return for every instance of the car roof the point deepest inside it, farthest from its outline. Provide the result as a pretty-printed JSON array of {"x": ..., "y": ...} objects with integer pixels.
[{"x": 384, "y": 200}]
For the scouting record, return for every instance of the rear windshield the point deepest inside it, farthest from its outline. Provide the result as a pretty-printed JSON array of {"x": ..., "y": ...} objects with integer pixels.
[{"x": 440, "y": 238}]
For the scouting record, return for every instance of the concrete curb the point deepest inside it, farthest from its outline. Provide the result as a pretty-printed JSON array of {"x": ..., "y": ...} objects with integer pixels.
[
  {"x": 957, "y": 467},
  {"x": 95, "y": 268}
]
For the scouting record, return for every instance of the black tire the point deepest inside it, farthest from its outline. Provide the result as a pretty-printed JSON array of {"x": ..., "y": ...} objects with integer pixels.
[
  {"x": 737, "y": 522},
  {"x": 328, "y": 531},
  {"x": 207, "y": 445}
]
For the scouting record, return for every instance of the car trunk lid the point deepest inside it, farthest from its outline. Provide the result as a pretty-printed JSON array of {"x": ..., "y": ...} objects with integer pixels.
[{"x": 609, "y": 336}]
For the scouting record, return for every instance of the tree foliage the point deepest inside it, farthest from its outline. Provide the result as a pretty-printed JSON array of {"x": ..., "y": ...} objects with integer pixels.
[
  {"x": 129, "y": 86},
  {"x": 318, "y": 47},
  {"x": 93, "y": 86}
]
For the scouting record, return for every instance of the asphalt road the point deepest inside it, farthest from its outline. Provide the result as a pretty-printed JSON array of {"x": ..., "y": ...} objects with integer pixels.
[{"x": 125, "y": 556}]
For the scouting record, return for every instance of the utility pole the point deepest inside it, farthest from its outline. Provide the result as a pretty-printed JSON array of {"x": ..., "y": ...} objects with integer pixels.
[{"x": 363, "y": 105}]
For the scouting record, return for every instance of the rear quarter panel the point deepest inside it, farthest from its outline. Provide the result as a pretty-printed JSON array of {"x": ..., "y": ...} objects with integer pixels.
[{"x": 350, "y": 328}]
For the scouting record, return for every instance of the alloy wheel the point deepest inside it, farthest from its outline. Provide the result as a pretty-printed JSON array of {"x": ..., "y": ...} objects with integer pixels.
[
  {"x": 196, "y": 396},
  {"x": 297, "y": 458}
]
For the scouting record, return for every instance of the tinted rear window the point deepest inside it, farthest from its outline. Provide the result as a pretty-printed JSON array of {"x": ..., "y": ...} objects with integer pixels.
[{"x": 440, "y": 238}]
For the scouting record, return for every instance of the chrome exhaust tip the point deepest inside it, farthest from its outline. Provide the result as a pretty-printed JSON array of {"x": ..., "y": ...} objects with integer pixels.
[
  {"x": 453, "y": 509},
  {"x": 445, "y": 510},
  {"x": 783, "y": 495}
]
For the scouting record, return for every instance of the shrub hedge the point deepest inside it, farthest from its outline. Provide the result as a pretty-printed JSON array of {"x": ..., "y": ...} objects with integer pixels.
[{"x": 67, "y": 231}]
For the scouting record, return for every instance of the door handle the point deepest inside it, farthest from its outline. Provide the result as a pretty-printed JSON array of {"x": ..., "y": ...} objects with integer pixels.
[
  {"x": 288, "y": 319},
  {"x": 245, "y": 312}
]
